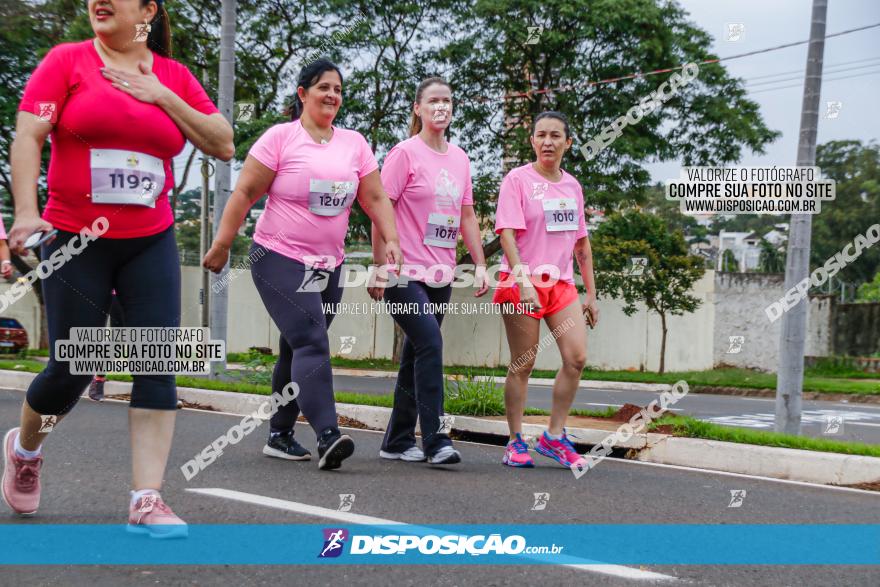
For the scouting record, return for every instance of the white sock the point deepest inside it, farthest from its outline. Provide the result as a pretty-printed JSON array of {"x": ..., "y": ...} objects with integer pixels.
[
  {"x": 136, "y": 495},
  {"x": 23, "y": 452},
  {"x": 554, "y": 436}
]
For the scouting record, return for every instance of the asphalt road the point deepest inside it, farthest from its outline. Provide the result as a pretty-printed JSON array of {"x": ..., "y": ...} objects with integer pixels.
[
  {"x": 86, "y": 474},
  {"x": 854, "y": 421}
]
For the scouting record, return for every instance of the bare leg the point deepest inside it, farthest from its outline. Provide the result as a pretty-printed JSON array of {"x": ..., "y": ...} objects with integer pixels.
[
  {"x": 572, "y": 342},
  {"x": 151, "y": 434},
  {"x": 29, "y": 435},
  {"x": 522, "y": 336}
]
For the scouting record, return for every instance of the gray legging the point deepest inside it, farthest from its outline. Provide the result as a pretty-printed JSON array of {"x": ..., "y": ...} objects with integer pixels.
[{"x": 299, "y": 315}]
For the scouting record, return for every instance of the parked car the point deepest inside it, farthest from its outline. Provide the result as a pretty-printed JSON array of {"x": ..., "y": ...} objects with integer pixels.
[{"x": 13, "y": 336}]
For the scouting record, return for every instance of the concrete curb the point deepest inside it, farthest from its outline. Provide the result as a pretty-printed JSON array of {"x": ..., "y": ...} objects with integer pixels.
[
  {"x": 779, "y": 463},
  {"x": 584, "y": 384}
]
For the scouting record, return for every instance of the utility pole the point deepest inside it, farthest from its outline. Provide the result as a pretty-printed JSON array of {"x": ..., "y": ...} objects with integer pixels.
[
  {"x": 790, "y": 377},
  {"x": 204, "y": 231},
  {"x": 223, "y": 178}
]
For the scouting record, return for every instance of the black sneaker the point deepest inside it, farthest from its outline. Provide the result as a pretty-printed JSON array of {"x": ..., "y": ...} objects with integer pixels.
[
  {"x": 96, "y": 390},
  {"x": 445, "y": 456},
  {"x": 333, "y": 448},
  {"x": 285, "y": 446}
]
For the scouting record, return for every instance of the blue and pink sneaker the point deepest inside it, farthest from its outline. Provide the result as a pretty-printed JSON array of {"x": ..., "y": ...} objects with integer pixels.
[
  {"x": 562, "y": 451},
  {"x": 517, "y": 453}
]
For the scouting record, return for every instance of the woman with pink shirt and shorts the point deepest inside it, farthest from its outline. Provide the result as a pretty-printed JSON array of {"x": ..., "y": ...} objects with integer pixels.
[
  {"x": 540, "y": 217},
  {"x": 429, "y": 181},
  {"x": 118, "y": 110},
  {"x": 312, "y": 171}
]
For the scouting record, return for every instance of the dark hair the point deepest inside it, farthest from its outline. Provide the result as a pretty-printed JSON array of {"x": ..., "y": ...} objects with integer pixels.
[
  {"x": 159, "y": 38},
  {"x": 415, "y": 125},
  {"x": 552, "y": 114},
  {"x": 309, "y": 76}
]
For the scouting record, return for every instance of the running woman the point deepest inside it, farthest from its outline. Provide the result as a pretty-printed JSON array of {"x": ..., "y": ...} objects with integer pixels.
[
  {"x": 118, "y": 110},
  {"x": 540, "y": 217},
  {"x": 312, "y": 171},
  {"x": 429, "y": 181}
]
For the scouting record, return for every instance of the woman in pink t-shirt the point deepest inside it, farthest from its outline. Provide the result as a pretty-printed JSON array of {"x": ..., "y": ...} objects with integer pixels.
[
  {"x": 429, "y": 181},
  {"x": 312, "y": 172},
  {"x": 118, "y": 110},
  {"x": 540, "y": 217}
]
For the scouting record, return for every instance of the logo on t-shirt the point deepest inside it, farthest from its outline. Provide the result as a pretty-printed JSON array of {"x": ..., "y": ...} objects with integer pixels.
[
  {"x": 446, "y": 191},
  {"x": 539, "y": 190}
]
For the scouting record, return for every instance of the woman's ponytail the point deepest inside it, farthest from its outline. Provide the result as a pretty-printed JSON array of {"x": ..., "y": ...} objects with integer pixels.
[{"x": 159, "y": 38}]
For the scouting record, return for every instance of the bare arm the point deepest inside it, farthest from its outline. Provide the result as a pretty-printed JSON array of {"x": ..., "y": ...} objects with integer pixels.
[
  {"x": 528, "y": 295},
  {"x": 377, "y": 206},
  {"x": 470, "y": 234},
  {"x": 252, "y": 184},
  {"x": 210, "y": 133},
  {"x": 583, "y": 254},
  {"x": 24, "y": 159}
]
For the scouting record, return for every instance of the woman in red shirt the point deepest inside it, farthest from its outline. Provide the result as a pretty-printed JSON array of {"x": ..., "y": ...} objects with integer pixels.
[{"x": 118, "y": 109}]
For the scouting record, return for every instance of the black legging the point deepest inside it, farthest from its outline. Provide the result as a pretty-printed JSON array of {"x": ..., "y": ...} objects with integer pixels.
[
  {"x": 145, "y": 272},
  {"x": 419, "y": 389},
  {"x": 116, "y": 319},
  {"x": 305, "y": 348}
]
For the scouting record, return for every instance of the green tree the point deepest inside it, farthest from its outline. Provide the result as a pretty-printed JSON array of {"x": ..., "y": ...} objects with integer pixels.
[
  {"x": 664, "y": 285},
  {"x": 870, "y": 292},
  {"x": 856, "y": 169},
  {"x": 771, "y": 259},
  {"x": 496, "y": 75},
  {"x": 729, "y": 262}
]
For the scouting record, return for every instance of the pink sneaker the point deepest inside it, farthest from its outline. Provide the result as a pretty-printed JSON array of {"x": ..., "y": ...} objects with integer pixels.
[
  {"x": 517, "y": 454},
  {"x": 21, "y": 478},
  {"x": 561, "y": 451},
  {"x": 150, "y": 515}
]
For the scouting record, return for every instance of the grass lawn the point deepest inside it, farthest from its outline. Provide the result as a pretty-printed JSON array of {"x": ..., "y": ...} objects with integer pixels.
[
  {"x": 727, "y": 377},
  {"x": 693, "y": 428}
]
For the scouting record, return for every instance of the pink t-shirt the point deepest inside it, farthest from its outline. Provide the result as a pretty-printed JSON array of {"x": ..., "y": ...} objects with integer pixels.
[
  {"x": 429, "y": 189},
  {"x": 548, "y": 219},
  {"x": 306, "y": 215},
  {"x": 2, "y": 230},
  {"x": 88, "y": 114}
]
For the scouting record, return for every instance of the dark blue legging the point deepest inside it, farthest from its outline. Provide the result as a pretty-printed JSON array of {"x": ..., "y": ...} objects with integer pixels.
[
  {"x": 419, "y": 390},
  {"x": 305, "y": 350},
  {"x": 145, "y": 272}
]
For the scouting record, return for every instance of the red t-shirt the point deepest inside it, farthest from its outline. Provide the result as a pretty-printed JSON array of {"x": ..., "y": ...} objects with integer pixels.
[{"x": 90, "y": 114}]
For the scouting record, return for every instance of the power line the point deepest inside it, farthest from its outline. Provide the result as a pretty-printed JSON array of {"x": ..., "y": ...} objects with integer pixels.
[
  {"x": 570, "y": 87},
  {"x": 750, "y": 84},
  {"x": 824, "y": 81},
  {"x": 827, "y": 68}
]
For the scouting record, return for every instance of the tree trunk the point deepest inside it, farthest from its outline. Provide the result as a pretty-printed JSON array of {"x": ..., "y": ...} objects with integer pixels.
[
  {"x": 489, "y": 249},
  {"x": 663, "y": 344}
]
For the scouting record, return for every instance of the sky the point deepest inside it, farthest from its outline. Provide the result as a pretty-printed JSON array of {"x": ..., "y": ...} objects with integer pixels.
[{"x": 768, "y": 23}]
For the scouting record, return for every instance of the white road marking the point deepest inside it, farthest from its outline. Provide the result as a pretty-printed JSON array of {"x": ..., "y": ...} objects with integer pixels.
[{"x": 620, "y": 571}]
